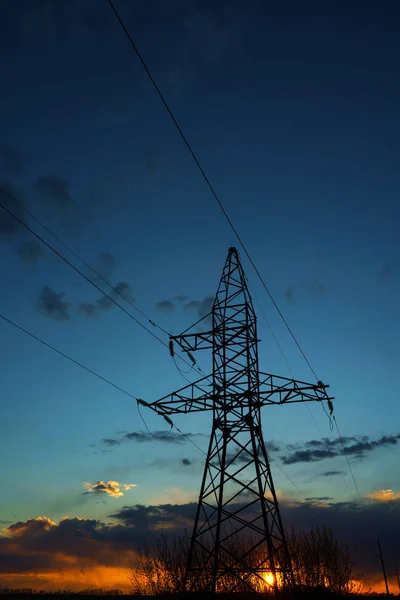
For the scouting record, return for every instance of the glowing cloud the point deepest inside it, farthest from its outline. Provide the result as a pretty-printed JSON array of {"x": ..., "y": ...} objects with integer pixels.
[
  {"x": 383, "y": 495},
  {"x": 32, "y": 527},
  {"x": 112, "y": 488}
]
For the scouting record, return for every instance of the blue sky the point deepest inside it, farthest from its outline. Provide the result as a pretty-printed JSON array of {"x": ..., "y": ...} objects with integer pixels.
[{"x": 293, "y": 113}]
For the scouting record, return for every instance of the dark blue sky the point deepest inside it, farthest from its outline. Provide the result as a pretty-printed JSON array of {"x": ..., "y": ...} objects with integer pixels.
[{"x": 293, "y": 112}]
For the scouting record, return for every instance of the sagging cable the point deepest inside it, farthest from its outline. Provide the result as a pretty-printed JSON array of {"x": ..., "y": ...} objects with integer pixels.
[{"x": 141, "y": 402}]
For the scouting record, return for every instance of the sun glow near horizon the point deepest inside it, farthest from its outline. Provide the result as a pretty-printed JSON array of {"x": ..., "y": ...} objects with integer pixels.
[{"x": 269, "y": 578}]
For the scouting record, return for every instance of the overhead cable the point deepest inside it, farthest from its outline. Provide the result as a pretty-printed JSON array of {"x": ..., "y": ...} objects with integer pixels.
[
  {"x": 70, "y": 264},
  {"x": 208, "y": 182},
  {"x": 60, "y": 241}
]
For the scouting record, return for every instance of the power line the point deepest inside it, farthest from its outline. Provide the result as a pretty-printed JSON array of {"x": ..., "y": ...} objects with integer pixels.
[
  {"x": 347, "y": 458},
  {"x": 70, "y": 264},
  {"x": 60, "y": 241},
  {"x": 275, "y": 462},
  {"x": 271, "y": 330},
  {"x": 157, "y": 437},
  {"x": 282, "y": 353},
  {"x": 76, "y": 362},
  {"x": 206, "y": 179},
  {"x": 190, "y": 440},
  {"x": 115, "y": 386},
  {"x": 88, "y": 370},
  {"x": 330, "y": 418},
  {"x": 132, "y": 317},
  {"x": 287, "y": 477}
]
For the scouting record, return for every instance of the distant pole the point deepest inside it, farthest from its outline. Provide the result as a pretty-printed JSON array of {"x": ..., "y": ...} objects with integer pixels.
[
  {"x": 383, "y": 567},
  {"x": 398, "y": 577}
]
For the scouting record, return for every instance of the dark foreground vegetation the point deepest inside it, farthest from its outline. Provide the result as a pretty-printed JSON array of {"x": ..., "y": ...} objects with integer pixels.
[
  {"x": 304, "y": 594},
  {"x": 323, "y": 569}
]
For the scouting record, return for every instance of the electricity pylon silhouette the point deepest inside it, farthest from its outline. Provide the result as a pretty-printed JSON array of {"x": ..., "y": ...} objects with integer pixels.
[{"x": 238, "y": 541}]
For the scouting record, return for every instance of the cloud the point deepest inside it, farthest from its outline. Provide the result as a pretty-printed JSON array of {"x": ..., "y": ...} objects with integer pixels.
[
  {"x": 332, "y": 473},
  {"x": 49, "y": 555},
  {"x": 389, "y": 270},
  {"x": 30, "y": 251},
  {"x": 32, "y": 526},
  {"x": 110, "y": 442},
  {"x": 54, "y": 191},
  {"x": 105, "y": 264},
  {"x": 314, "y": 288},
  {"x": 52, "y": 304},
  {"x": 12, "y": 198},
  {"x": 151, "y": 517},
  {"x": 318, "y": 498},
  {"x": 208, "y": 34},
  {"x": 107, "y": 260},
  {"x": 272, "y": 446},
  {"x": 200, "y": 307},
  {"x": 383, "y": 496},
  {"x": 244, "y": 457},
  {"x": 170, "y": 437},
  {"x": 12, "y": 161},
  {"x": 93, "y": 309},
  {"x": 166, "y": 306},
  {"x": 111, "y": 488},
  {"x": 308, "y": 456},
  {"x": 355, "y": 524},
  {"x": 141, "y": 437},
  {"x": 316, "y": 450}
]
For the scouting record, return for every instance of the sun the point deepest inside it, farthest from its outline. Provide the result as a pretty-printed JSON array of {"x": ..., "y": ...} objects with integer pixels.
[{"x": 269, "y": 578}]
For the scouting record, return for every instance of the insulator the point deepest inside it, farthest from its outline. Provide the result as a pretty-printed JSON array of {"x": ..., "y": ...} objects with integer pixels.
[
  {"x": 330, "y": 405},
  {"x": 171, "y": 348},
  {"x": 142, "y": 402},
  {"x": 168, "y": 420},
  {"x": 190, "y": 355}
]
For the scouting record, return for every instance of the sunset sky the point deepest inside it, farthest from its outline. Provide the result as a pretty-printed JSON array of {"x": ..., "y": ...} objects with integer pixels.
[{"x": 293, "y": 111}]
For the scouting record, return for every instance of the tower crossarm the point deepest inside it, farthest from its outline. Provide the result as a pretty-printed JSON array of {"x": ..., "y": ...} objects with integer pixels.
[
  {"x": 280, "y": 390},
  {"x": 190, "y": 342},
  {"x": 191, "y": 398}
]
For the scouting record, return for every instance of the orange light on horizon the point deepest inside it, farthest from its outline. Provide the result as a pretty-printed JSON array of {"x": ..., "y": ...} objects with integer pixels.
[{"x": 269, "y": 578}]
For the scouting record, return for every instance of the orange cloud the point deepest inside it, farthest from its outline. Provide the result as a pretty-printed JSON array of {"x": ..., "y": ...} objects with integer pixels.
[
  {"x": 78, "y": 553},
  {"x": 32, "y": 526},
  {"x": 383, "y": 495},
  {"x": 73, "y": 554},
  {"x": 112, "y": 488}
]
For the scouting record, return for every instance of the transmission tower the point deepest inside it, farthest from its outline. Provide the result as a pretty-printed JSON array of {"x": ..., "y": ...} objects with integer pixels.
[{"x": 238, "y": 541}]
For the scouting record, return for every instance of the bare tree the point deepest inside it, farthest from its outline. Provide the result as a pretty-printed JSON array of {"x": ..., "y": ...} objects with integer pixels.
[
  {"x": 162, "y": 569},
  {"x": 320, "y": 560}
]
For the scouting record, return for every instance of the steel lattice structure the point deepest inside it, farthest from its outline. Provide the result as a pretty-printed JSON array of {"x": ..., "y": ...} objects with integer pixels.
[{"x": 237, "y": 494}]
